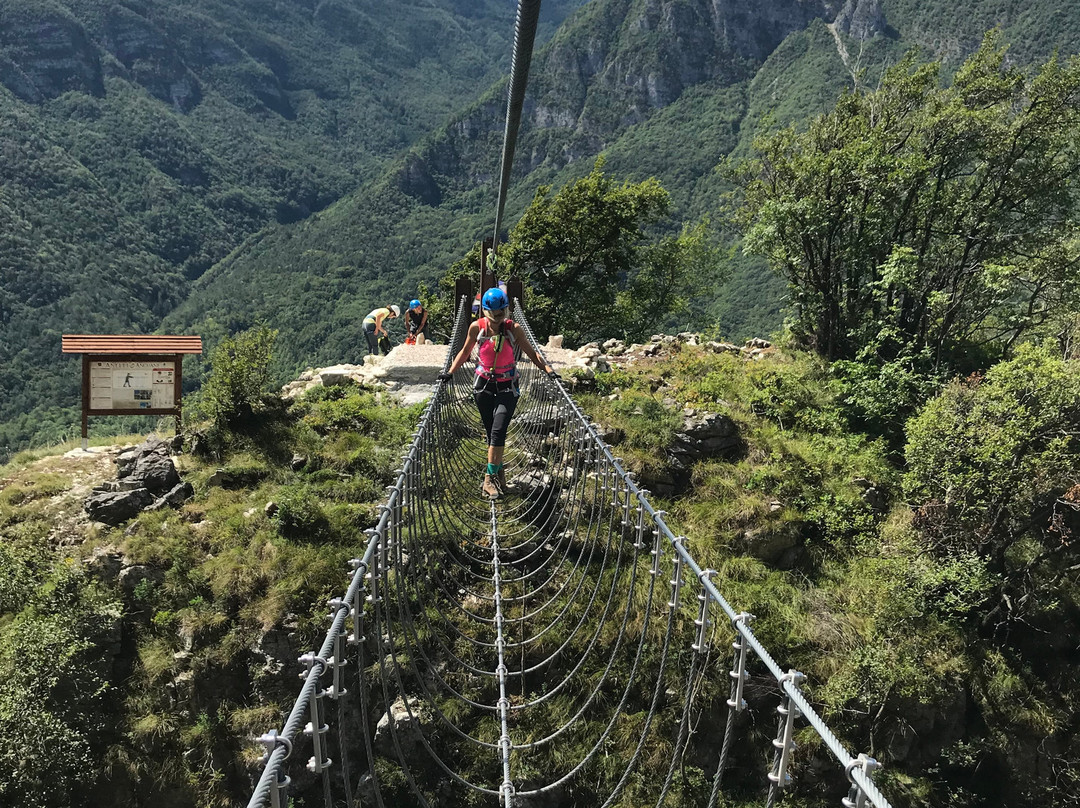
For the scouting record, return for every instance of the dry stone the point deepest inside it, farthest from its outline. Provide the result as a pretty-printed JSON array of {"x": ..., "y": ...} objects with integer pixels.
[
  {"x": 116, "y": 508},
  {"x": 402, "y": 723}
]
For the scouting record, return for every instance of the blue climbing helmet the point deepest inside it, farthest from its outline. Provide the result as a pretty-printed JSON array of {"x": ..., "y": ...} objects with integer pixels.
[
  {"x": 495, "y": 299},
  {"x": 414, "y": 304}
]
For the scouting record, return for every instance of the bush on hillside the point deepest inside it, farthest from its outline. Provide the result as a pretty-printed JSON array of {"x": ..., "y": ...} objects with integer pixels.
[
  {"x": 234, "y": 390},
  {"x": 994, "y": 468}
]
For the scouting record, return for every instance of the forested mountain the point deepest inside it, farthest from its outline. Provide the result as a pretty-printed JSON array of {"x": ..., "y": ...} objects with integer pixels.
[
  {"x": 664, "y": 89},
  {"x": 143, "y": 142},
  {"x": 182, "y": 161}
]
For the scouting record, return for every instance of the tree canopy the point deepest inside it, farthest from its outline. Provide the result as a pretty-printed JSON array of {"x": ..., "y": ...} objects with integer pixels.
[
  {"x": 591, "y": 265},
  {"x": 944, "y": 217}
]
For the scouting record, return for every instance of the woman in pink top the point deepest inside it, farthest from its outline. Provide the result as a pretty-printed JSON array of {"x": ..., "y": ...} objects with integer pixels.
[{"x": 496, "y": 386}]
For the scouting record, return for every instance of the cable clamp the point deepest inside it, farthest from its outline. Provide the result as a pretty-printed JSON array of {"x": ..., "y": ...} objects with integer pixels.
[
  {"x": 856, "y": 797},
  {"x": 311, "y": 660},
  {"x": 272, "y": 740}
]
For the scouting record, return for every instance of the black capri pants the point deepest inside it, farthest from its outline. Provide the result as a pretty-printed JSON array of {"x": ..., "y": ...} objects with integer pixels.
[
  {"x": 372, "y": 340},
  {"x": 496, "y": 402}
]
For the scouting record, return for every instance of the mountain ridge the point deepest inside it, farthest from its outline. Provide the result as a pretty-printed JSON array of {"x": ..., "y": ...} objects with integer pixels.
[{"x": 599, "y": 84}]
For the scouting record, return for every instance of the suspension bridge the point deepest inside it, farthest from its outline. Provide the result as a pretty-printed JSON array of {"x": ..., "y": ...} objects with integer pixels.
[
  {"x": 557, "y": 647},
  {"x": 560, "y": 646}
]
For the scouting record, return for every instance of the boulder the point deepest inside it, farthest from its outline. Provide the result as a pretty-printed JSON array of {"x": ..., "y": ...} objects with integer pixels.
[
  {"x": 399, "y": 723},
  {"x": 772, "y": 543},
  {"x": 722, "y": 347},
  {"x": 176, "y": 496},
  {"x": 115, "y": 508},
  {"x": 131, "y": 576},
  {"x": 156, "y": 472},
  {"x": 336, "y": 376},
  {"x": 105, "y": 563}
]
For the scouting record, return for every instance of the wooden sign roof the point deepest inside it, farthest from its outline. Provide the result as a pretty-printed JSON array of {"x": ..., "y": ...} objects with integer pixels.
[{"x": 129, "y": 343}]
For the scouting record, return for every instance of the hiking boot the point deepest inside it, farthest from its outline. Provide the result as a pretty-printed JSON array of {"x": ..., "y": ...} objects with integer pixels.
[
  {"x": 500, "y": 480},
  {"x": 489, "y": 488}
]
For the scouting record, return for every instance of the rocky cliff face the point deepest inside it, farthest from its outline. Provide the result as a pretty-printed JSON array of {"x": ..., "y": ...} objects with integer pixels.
[
  {"x": 612, "y": 67},
  {"x": 149, "y": 58},
  {"x": 45, "y": 52},
  {"x": 861, "y": 19}
]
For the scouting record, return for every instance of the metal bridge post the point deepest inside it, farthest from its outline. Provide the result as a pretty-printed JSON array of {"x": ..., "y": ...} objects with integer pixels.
[
  {"x": 783, "y": 742},
  {"x": 736, "y": 703},
  {"x": 703, "y": 623},
  {"x": 676, "y": 576},
  {"x": 658, "y": 547},
  {"x": 315, "y": 728},
  {"x": 357, "y": 609},
  {"x": 739, "y": 674},
  {"x": 338, "y": 660},
  {"x": 639, "y": 542},
  {"x": 626, "y": 524},
  {"x": 374, "y": 571}
]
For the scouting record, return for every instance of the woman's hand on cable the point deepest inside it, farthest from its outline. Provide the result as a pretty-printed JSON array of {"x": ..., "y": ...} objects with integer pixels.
[
  {"x": 550, "y": 371},
  {"x": 445, "y": 376}
]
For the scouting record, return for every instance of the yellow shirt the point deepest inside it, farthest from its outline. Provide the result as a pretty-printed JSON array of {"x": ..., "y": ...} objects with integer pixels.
[{"x": 374, "y": 316}]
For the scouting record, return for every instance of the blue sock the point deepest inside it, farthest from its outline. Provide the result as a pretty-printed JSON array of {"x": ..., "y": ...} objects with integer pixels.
[{"x": 493, "y": 469}]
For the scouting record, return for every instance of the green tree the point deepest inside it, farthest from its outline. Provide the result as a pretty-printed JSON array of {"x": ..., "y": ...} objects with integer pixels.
[
  {"x": 994, "y": 467},
  {"x": 240, "y": 373},
  {"x": 591, "y": 267},
  {"x": 942, "y": 215}
]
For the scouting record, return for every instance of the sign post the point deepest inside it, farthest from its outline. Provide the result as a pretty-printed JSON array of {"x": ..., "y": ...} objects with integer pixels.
[{"x": 130, "y": 375}]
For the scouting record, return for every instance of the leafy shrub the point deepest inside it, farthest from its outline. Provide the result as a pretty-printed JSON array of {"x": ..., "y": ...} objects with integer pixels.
[
  {"x": 989, "y": 457},
  {"x": 240, "y": 373},
  {"x": 299, "y": 514},
  {"x": 952, "y": 587}
]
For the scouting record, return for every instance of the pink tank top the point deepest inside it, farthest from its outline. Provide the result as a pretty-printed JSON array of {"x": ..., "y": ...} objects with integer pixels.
[{"x": 495, "y": 352}]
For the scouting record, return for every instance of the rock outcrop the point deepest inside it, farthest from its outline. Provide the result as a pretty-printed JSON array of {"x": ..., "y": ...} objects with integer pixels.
[
  {"x": 145, "y": 51},
  {"x": 861, "y": 19},
  {"x": 146, "y": 479},
  {"x": 44, "y": 52}
]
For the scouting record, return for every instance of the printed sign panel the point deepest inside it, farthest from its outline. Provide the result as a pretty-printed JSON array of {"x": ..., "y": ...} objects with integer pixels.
[{"x": 132, "y": 385}]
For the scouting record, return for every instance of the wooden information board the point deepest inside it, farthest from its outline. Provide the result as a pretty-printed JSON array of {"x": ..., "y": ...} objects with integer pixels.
[{"x": 131, "y": 375}]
